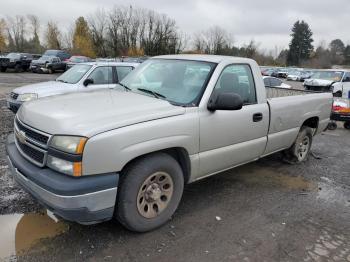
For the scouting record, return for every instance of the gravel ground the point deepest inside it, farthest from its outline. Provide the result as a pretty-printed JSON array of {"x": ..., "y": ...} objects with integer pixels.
[{"x": 264, "y": 211}]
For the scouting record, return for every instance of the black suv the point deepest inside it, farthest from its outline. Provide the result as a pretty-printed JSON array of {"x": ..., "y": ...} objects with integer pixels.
[
  {"x": 18, "y": 61},
  {"x": 63, "y": 55}
]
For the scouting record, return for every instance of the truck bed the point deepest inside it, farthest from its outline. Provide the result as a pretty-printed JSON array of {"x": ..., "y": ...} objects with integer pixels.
[{"x": 273, "y": 92}]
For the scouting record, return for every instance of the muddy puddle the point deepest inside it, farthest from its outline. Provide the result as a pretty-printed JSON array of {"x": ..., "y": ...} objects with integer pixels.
[
  {"x": 270, "y": 177},
  {"x": 20, "y": 232}
]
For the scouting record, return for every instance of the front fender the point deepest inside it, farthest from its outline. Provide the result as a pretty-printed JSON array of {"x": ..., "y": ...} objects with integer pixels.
[{"x": 112, "y": 150}]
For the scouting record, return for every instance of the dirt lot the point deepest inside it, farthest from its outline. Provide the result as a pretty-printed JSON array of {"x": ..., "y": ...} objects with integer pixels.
[{"x": 264, "y": 211}]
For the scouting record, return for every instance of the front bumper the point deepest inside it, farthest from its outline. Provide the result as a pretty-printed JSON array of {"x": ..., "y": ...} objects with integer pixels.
[
  {"x": 13, "y": 105},
  {"x": 86, "y": 200}
]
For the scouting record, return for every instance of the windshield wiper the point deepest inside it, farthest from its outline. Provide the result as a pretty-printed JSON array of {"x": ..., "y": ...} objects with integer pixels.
[
  {"x": 59, "y": 80},
  {"x": 155, "y": 94},
  {"x": 126, "y": 88}
]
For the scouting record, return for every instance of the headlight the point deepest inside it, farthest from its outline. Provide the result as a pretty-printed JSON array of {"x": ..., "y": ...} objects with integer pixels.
[
  {"x": 27, "y": 97},
  {"x": 64, "y": 166},
  {"x": 69, "y": 144}
]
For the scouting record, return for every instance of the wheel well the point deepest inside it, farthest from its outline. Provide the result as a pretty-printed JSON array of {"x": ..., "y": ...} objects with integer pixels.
[
  {"x": 311, "y": 122},
  {"x": 178, "y": 153}
]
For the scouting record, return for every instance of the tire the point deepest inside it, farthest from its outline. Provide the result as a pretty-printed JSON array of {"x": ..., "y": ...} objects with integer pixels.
[
  {"x": 300, "y": 150},
  {"x": 50, "y": 70},
  {"x": 137, "y": 190},
  {"x": 332, "y": 126},
  {"x": 347, "y": 125},
  {"x": 18, "y": 68},
  {"x": 3, "y": 69}
]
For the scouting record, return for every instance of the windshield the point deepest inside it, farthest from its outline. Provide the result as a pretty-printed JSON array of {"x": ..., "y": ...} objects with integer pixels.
[
  {"x": 335, "y": 76},
  {"x": 13, "y": 56},
  {"x": 73, "y": 75},
  {"x": 181, "y": 82}
]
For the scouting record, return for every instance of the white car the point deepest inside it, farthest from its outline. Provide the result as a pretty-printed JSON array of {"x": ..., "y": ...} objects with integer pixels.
[
  {"x": 79, "y": 78},
  {"x": 270, "y": 81}
]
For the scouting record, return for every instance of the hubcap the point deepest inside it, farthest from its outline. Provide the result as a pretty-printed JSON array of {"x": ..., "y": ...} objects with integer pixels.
[
  {"x": 155, "y": 194},
  {"x": 303, "y": 148}
]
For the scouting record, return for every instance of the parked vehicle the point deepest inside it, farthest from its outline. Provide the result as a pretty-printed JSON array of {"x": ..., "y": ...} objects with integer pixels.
[
  {"x": 17, "y": 61},
  {"x": 336, "y": 81},
  {"x": 294, "y": 76},
  {"x": 340, "y": 112},
  {"x": 127, "y": 153},
  {"x": 270, "y": 81},
  {"x": 48, "y": 64},
  {"x": 134, "y": 59},
  {"x": 77, "y": 60},
  {"x": 81, "y": 77},
  {"x": 63, "y": 55},
  {"x": 282, "y": 73}
]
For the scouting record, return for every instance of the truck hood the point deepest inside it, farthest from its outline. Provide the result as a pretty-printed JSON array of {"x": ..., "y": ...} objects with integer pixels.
[
  {"x": 44, "y": 88},
  {"x": 318, "y": 82},
  {"x": 90, "y": 113}
]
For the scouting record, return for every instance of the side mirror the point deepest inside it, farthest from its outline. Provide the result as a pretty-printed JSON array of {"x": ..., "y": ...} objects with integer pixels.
[
  {"x": 225, "y": 101},
  {"x": 88, "y": 81}
]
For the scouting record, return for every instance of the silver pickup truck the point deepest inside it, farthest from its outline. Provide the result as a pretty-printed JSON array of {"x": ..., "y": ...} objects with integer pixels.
[{"x": 126, "y": 153}]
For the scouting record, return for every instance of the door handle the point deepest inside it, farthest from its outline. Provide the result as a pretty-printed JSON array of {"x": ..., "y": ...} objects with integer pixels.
[{"x": 257, "y": 117}]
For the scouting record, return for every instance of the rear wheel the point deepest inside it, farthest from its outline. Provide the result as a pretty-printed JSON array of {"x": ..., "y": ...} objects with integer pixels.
[
  {"x": 332, "y": 125},
  {"x": 300, "y": 150},
  {"x": 150, "y": 191},
  {"x": 347, "y": 125},
  {"x": 18, "y": 68}
]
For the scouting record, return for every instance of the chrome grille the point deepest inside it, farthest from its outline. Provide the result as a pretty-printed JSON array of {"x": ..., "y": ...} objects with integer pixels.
[{"x": 31, "y": 143}]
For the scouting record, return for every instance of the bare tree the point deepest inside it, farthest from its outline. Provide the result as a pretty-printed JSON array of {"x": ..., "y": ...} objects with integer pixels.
[
  {"x": 98, "y": 25},
  {"x": 53, "y": 36},
  {"x": 16, "y": 29},
  {"x": 34, "y": 41}
]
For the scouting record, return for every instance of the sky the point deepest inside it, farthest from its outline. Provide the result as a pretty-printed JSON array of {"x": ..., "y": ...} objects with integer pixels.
[{"x": 267, "y": 22}]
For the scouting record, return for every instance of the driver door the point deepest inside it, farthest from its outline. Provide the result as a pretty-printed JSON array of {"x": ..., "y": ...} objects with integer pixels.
[{"x": 229, "y": 138}]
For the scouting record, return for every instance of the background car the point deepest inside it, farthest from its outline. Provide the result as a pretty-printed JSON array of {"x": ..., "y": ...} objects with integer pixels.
[
  {"x": 80, "y": 78},
  {"x": 76, "y": 59},
  {"x": 17, "y": 61},
  {"x": 274, "y": 82},
  {"x": 63, "y": 55},
  {"x": 48, "y": 64}
]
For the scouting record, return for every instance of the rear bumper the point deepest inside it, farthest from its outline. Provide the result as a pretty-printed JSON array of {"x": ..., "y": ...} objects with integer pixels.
[
  {"x": 86, "y": 200},
  {"x": 13, "y": 105},
  {"x": 340, "y": 117}
]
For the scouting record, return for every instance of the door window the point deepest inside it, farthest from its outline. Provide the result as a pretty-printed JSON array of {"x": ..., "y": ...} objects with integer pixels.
[
  {"x": 101, "y": 75},
  {"x": 122, "y": 71},
  {"x": 347, "y": 77},
  {"x": 238, "y": 79}
]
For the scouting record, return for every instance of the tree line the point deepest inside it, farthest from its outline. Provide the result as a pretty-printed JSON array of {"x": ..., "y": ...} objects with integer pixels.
[{"x": 130, "y": 31}]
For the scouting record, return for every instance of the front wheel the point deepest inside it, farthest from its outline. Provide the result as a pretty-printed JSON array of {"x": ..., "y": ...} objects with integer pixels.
[
  {"x": 300, "y": 150},
  {"x": 347, "y": 125},
  {"x": 150, "y": 192}
]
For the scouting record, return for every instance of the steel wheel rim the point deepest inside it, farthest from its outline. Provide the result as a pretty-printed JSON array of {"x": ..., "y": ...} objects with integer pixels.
[
  {"x": 155, "y": 194},
  {"x": 303, "y": 148}
]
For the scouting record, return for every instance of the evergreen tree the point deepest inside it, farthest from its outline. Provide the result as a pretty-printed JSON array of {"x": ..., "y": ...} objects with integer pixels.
[
  {"x": 300, "y": 46},
  {"x": 347, "y": 55},
  {"x": 82, "y": 39}
]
